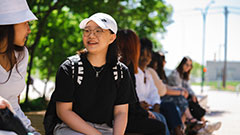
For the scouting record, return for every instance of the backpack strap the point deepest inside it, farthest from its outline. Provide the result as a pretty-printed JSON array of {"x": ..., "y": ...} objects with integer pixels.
[
  {"x": 118, "y": 73},
  {"x": 77, "y": 68},
  {"x": 51, "y": 118}
]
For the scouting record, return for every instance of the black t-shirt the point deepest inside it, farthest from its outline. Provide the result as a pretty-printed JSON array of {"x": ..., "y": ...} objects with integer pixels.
[
  {"x": 95, "y": 98},
  {"x": 135, "y": 109}
]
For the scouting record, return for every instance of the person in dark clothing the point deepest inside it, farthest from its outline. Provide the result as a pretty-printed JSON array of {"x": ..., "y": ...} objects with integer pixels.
[
  {"x": 139, "y": 119},
  {"x": 93, "y": 103}
]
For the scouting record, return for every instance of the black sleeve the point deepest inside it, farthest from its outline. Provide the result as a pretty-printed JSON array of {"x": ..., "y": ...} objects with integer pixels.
[
  {"x": 135, "y": 109},
  {"x": 125, "y": 92},
  {"x": 131, "y": 71},
  {"x": 64, "y": 86}
]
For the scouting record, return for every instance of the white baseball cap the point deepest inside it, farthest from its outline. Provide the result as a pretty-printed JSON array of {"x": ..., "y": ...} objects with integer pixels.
[
  {"x": 14, "y": 12},
  {"x": 103, "y": 20}
]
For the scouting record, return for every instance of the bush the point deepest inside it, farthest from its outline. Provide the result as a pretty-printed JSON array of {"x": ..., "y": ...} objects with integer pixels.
[{"x": 34, "y": 105}]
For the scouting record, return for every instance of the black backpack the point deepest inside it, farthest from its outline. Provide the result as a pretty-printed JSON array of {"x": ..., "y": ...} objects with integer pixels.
[
  {"x": 51, "y": 118},
  {"x": 11, "y": 122}
]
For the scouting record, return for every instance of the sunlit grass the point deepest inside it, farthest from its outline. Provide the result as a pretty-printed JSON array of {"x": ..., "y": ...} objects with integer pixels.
[{"x": 217, "y": 85}]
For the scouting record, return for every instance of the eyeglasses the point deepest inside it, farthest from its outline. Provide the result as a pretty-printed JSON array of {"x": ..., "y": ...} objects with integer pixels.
[
  {"x": 188, "y": 65},
  {"x": 97, "y": 32}
]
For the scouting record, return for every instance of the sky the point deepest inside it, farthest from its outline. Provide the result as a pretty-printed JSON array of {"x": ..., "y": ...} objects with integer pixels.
[{"x": 184, "y": 35}]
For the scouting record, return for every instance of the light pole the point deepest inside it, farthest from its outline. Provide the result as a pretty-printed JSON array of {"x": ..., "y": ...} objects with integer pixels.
[
  {"x": 225, "y": 47},
  {"x": 204, "y": 14}
]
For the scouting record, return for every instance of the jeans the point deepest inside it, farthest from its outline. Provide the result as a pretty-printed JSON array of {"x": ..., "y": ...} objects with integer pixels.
[{"x": 161, "y": 118}]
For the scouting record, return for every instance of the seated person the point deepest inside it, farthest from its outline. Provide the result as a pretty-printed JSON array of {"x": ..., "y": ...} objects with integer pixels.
[
  {"x": 148, "y": 93},
  {"x": 139, "y": 120},
  {"x": 173, "y": 94},
  {"x": 14, "y": 29},
  {"x": 180, "y": 78},
  {"x": 93, "y": 103}
]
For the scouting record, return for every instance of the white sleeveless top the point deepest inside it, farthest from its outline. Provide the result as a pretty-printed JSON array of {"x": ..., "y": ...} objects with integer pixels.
[{"x": 15, "y": 85}]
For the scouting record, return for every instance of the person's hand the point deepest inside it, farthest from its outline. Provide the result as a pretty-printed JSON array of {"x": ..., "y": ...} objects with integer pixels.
[
  {"x": 185, "y": 93},
  {"x": 98, "y": 133},
  {"x": 145, "y": 105},
  {"x": 156, "y": 108},
  {"x": 194, "y": 98},
  {"x": 151, "y": 115},
  {"x": 4, "y": 103}
]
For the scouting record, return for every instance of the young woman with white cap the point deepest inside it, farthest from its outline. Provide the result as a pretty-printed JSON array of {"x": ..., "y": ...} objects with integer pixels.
[
  {"x": 96, "y": 103},
  {"x": 14, "y": 29}
]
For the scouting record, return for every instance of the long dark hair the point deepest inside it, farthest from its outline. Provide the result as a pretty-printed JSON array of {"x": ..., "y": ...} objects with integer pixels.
[
  {"x": 129, "y": 46},
  {"x": 7, "y": 34},
  {"x": 145, "y": 44},
  {"x": 159, "y": 59},
  {"x": 112, "y": 53},
  {"x": 184, "y": 75}
]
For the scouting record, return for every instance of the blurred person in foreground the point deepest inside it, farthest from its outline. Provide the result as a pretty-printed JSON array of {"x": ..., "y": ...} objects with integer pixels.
[{"x": 14, "y": 29}]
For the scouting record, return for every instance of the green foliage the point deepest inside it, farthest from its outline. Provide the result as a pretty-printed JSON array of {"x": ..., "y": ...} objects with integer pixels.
[
  {"x": 146, "y": 17},
  {"x": 60, "y": 39},
  {"x": 197, "y": 69},
  {"x": 34, "y": 105},
  {"x": 56, "y": 34}
]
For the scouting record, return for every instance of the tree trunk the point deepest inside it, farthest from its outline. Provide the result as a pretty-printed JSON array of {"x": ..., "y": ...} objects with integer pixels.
[
  {"x": 45, "y": 88},
  {"x": 38, "y": 36}
]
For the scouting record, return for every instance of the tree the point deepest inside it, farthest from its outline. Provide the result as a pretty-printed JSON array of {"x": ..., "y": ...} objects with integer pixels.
[
  {"x": 56, "y": 34},
  {"x": 196, "y": 70},
  {"x": 54, "y": 45}
]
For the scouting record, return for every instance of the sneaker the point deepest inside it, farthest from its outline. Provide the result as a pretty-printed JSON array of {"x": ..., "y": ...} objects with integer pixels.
[
  {"x": 210, "y": 127},
  {"x": 202, "y": 131}
]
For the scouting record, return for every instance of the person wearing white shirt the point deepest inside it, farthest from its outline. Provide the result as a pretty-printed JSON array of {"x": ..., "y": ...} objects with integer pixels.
[
  {"x": 14, "y": 29},
  {"x": 147, "y": 91}
]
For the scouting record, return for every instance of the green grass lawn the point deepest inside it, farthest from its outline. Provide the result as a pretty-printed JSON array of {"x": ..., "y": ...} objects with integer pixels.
[{"x": 230, "y": 85}]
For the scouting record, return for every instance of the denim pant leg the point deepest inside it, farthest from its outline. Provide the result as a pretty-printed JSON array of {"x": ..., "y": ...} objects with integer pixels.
[
  {"x": 161, "y": 118},
  {"x": 170, "y": 112}
]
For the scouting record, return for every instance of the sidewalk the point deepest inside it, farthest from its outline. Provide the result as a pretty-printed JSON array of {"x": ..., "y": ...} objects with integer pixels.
[{"x": 224, "y": 107}]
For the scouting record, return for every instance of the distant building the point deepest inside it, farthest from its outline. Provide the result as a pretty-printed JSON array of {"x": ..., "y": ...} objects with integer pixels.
[{"x": 215, "y": 70}]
